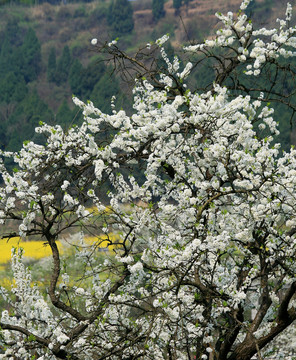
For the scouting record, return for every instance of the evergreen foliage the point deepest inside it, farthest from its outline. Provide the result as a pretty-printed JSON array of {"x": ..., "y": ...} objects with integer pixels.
[
  {"x": 257, "y": 10},
  {"x": 63, "y": 66},
  {"x": 177, "y": 4},
  {"x": 13, "y": 33},
  {"x": 120, "y": 17},
  {"x": 27, "y": 115},
  {"x": 10, "y": 55},
  {"x": 101, "y": 95},
  {"x": 251, "y": 8},
  {"x": 20, "y": 64},
  {"x": 158, "y": 9},
  {"x": 31, "y": 56},
  {"x": 83, "y": 80},
  {"x": 20, "y": 55},
  {"x": 75, "y": 76},
  {"x": 65, "y": 115},
  {"x": 51, "y": 65},
  {"x": 13, "y": 88}
]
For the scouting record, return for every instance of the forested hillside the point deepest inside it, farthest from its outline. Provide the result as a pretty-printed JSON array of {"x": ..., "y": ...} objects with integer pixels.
[{"x": 45, "y": 55}]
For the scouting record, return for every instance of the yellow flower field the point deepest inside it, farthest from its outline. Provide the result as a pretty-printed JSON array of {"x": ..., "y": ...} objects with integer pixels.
[
  {"x": 32, "y": 249},
  {"x": 38, "y": 249},
  {"x": 94, "y": 210},
  {"x": 103, "y": 241}
]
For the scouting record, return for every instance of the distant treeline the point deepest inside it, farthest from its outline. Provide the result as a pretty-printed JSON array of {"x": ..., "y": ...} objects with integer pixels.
[
  {"x": 21, "y": 108},
  {"x": 36, "y": 2},
  {"x": 23, "y": 72}
]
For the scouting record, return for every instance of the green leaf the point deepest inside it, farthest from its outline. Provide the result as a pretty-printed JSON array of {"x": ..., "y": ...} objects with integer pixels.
[
  {"x": 32, "y": 203},
  {"x": 31, "y": 338}
]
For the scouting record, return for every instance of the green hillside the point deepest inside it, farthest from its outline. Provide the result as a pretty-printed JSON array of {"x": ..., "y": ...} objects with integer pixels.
[{"x": 46, "y": 56}]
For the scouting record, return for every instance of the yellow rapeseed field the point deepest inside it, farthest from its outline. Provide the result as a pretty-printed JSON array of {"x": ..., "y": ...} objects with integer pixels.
[
  {"x": 103, "y": 241},
  {"x": 38, "y": 249},
  {"x": 32, "y": 249},
  {"x": 95, "y": 211}
]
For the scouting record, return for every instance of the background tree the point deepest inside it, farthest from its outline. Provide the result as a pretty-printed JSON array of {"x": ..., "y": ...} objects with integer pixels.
[
  {"x": 13, "y": 87},
  {"x": 203, "y": 263},
  {"x": 104, "y": 102},
  {"x": 20, "y": 55},
  {"x": 31, "y": 56},
  {"x": 120, "y": 17},
  {"x": 65, "y": 116},
  {"x": 75, "y": 77},
  {"x": 10, "y": 55},
  {"x": 158, "y": 9},
  {"x": 83, "y": 80},
  {"x": 29, "y": 112},
  {"x": 63, "y": 66},
  {"x": 177, "y": 4},
  {"x": 51, "y": 65}
]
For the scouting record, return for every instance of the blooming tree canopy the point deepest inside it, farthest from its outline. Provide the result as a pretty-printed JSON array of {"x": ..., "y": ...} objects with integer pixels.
[{"x": 203, "y": 205}]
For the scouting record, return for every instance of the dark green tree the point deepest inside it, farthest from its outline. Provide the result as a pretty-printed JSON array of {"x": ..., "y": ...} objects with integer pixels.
[
  {"x": 120, "y": 17},
  {"x": 63, "y": 66},
  {"x": 83, "y": 81},
  {"x": 101, "y": 94},
  {"x": 65, "y": 115},
  {"x": 13, "y": 33},
  {"x": 10, "y": 58},
  {"x": 158, "y": 9},
  {"x": 75, "y": 77},
  {"x": 51, "y": 65},
  {"x": 31, "y": 56},
  {"x": 29, "y": 112},
  {"x": 251, "y": 8},
  {"x": 258, "y": 10},
  {"x": 110, "y": 13},
  {"x": 13, "y": 88},
  {"x": 177, "y": 4},
  {"x": 3, "y": 137}
]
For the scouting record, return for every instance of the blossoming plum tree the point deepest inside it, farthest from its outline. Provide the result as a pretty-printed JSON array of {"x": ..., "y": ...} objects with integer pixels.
[{"x": 204, "y": 270}]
